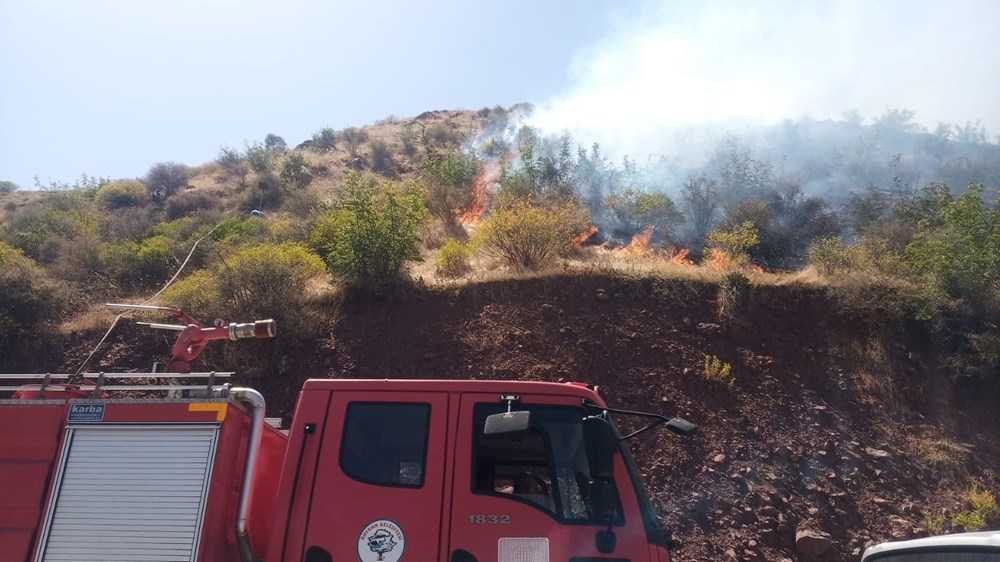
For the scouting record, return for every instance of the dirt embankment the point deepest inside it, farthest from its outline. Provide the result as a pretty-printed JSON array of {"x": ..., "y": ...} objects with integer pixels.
[{"x": 810, "y": 438}]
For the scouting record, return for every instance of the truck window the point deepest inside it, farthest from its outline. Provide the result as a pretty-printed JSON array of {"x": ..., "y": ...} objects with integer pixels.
[
  {"x": 385, "y": 443},
  {"x": 545, "y": 467}
]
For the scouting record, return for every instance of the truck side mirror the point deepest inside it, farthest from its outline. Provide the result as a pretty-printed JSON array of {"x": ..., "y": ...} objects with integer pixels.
[
  {"x": 601, "y": 443},
  {"x": 507, "y": 423}
]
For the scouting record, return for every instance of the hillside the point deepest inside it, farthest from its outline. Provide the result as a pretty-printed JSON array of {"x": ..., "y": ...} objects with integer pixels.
[
  {"x": 814, "y": 433},
  {"x": 828, "y": 322}
]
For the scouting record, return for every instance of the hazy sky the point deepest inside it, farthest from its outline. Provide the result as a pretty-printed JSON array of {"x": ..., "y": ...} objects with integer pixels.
[{"x": 109, "y": 87}]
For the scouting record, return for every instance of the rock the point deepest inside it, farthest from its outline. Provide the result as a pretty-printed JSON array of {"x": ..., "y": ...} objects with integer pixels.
[
  {"x": 812, "y": 542},
  {"x": 900, "y": 527},
  {"x": 719, "y": 458},
  {"x": 876, "y": 453},
  {"x": 730, "y": 553},
  {"x": 769, "y": 511}
]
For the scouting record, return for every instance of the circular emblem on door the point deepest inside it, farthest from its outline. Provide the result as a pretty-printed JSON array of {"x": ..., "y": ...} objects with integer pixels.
[{"x": 381, "y": 540}]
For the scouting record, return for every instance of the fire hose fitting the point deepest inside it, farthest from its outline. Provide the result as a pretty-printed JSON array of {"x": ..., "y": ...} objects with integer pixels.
[{"x": 259, "y": 329}]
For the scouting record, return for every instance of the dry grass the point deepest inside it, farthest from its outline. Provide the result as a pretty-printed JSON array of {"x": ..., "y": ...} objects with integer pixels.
[
  {"x": 875, "y": 372},
  {"x": 947, "y": 458},
  {"x": 94, "y": 319}
]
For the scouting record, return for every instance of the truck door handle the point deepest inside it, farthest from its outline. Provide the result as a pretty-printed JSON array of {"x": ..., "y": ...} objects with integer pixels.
[{"x": 317, "y": 554}]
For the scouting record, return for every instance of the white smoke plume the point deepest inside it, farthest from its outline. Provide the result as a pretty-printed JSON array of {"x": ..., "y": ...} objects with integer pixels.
[{"x": 732, "y": 65}]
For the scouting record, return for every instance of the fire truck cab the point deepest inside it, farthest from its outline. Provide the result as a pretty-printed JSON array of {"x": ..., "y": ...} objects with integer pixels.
[
  {"x": 369, "y": 470},
  {"x": 444, "y": 470}
]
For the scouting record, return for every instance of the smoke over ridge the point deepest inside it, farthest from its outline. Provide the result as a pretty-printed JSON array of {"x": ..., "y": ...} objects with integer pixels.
[{"x": 737, "y": 65}]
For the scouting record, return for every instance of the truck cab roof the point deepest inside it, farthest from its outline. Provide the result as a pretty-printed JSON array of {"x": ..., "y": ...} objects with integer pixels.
[{"x": 580, "y": 389}]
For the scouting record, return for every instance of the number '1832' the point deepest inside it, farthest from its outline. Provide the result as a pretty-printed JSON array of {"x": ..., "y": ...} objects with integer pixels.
[{"x": 489, "y": 519}]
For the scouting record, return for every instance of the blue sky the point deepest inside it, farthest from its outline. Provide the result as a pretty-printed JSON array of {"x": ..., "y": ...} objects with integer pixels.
[{"x": 109, "y": 87}]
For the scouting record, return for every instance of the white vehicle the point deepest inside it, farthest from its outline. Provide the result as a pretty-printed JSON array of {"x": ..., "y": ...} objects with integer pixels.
[{"x": 960, "y": 547}]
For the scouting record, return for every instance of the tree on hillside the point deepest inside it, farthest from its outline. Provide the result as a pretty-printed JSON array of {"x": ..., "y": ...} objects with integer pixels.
[
  {"x": 641, "y": 209},
  {"x": 234, "y": 166},
  {"x": 324, "y": 139},
  {"x": 354, "y": 137},
  {"x": 701, "y": 202},
  {"x": 167, "y": 177},
  {"x": 449, "y": 178},
  {"x": 8, "y": 186},
  {"x": 275, "y": 143}
]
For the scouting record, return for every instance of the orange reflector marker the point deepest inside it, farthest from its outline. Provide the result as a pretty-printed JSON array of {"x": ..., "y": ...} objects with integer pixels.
[{"x": 218, "y": 407}]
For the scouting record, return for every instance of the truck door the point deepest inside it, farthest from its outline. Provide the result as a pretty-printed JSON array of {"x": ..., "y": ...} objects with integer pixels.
[
  {"x": 522, "y": 497},
  {"x": 379, "y": 485}
]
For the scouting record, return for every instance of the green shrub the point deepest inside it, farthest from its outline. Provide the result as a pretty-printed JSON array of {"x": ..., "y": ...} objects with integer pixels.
[
  {"x": 982, "y": 506},
  {"x": 372, "y": 233},
  {"x": 275, "y": 143},
  {"x": 30, "y": 303},
  {"x": 142, "y": 264},
  {"x": 830, "y": 255},
  {"x": 324, "y": 139},
  {"x": 449, "y": 177},
  {"x": 962, "y": 255},
  {"x": 718, "y": 371},
  {"x": 293, "y": 171},
  {"x": 253, "y": 283},
  {"x": 528, "y": 236},
  {"x": 121, "y": 193},
  {"x": 736, "y": 242},
  {"x": 8, "y": 187},
  {"x": 234, "y": 166},
  {"x": 640, "y": 209},
  {"x": 453, "y": 259}
]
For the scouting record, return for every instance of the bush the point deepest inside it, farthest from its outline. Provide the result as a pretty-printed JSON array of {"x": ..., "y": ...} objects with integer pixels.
[
  {"x": 449, "y": 178},
  {"x": 734, "y": 295},
  {"x": 982, "y": 506},
  {"x": 142, "y": 264},
  {"x": 830, "y": 256},
  {"x": 324, "y": 139},
  {"x": 293, "y": 171},
  {"x": 8, "y": 187},
  {"x": 354, "y": 137},
  {"x": 453, "y": 259},
  {"x": 526, "y": 236},
  {"x": 260, "y": 159},
  {"x": 167, "y": 177},
  {"x": 121, "y": 193},
  {"x": 234, "y": 166},
  {"x": 640, "y": 209},
  {"x": 275, "y": 143},
  {"x": 736, "y": 242},
  {"x": 381, "y": 154},
  {"x": 718, "y": 371},
  {"x": 372, "y": 233},
  {"x": 30, "y": 303},
  {"x": 189, "y": 202},
  {"x": 962, "y": 255},
  {"x": 253, "y": 283}
]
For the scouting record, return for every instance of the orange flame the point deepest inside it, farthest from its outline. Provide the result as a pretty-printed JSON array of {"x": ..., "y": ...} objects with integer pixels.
[
  {"x": 482, "y": 194},
  {"x": 639, "y": 246},
  {"x": 585, "y": 235},
  {"x": 678, "y": 256},
  {"x": 718, "y": 259}
]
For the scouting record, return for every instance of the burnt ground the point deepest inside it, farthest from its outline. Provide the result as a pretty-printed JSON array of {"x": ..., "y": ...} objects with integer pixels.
[{"x": 809, "y": 437}]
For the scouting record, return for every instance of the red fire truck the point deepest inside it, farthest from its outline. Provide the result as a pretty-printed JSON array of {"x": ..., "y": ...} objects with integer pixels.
[{"x": 184, "y": 467}]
